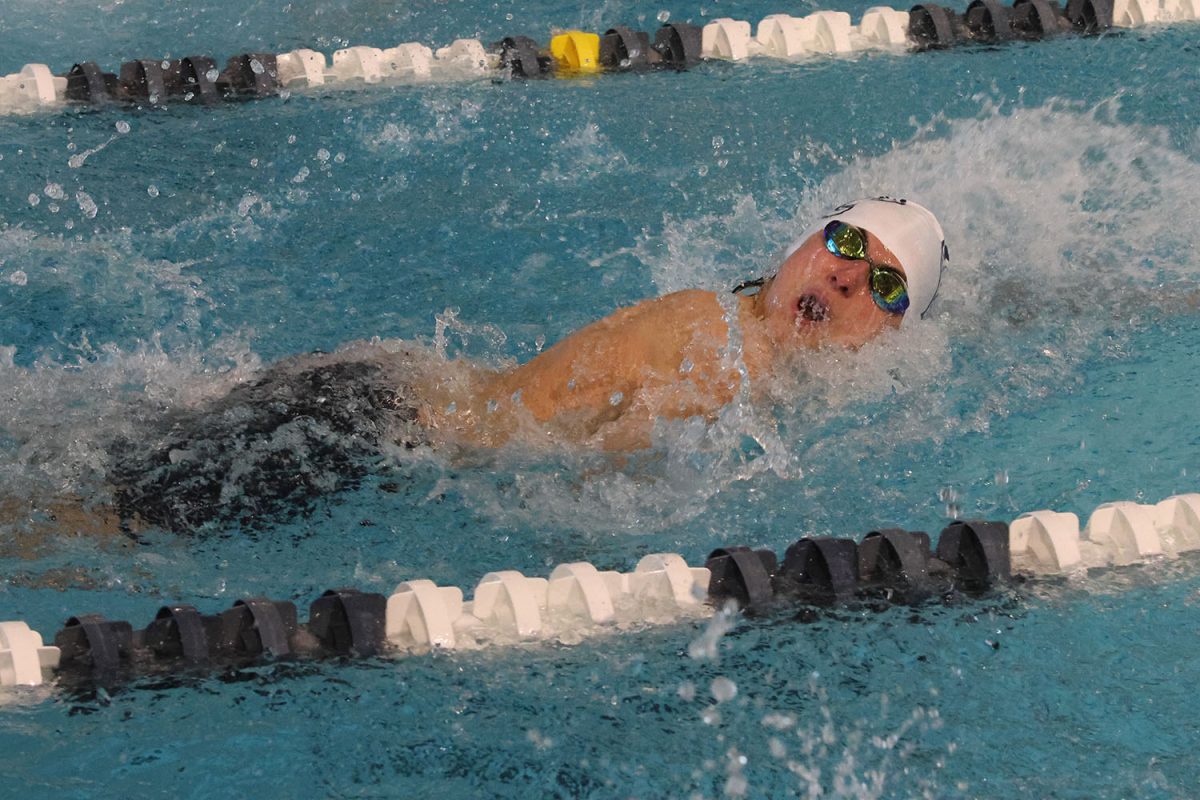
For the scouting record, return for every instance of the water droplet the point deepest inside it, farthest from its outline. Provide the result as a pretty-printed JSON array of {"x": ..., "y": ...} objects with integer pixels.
[
  {"x": 86, "y": 204},
  {"x": 702, "y": 170},
  {"x": 571, "y": 384},
  {"x": 711, "y": 716},
  {"x": 686, "y": 691},
  {"x": 686, "y": 366},
  {"x": 34, "y": 199},
  {"x": 18, "y": 278},
  {"x": 508, "y": 17},
  {"x": 718, "y": 142},
  {"x": 323, "y": 155},
  {"x": 615, "y": 398},
  {"x": 54, "y": 191},
  {"x": 492, "y": 405},
  {"x": 452, "y": 408},
  {"x": 291, "y": 139},
  {"x": 664, "y": 15},
  {"x": 122, "y": 126},
  {"x": 256, "y": 67},
  {"x": 1002, "y": 478},
  {"x": 301, "y": 175},
  {"x": 212, "y": 75},
  {"x": 723, "y": 689},
  {"x": 340, "y": 158}
]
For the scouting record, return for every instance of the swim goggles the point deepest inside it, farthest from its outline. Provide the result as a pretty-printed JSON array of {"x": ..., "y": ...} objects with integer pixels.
[{"x": 888, "y": 288}]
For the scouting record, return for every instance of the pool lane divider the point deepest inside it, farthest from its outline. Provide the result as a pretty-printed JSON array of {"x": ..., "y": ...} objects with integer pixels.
[
  {"x": 886, "y": 567},
  {"x": 674, "y": 46}
]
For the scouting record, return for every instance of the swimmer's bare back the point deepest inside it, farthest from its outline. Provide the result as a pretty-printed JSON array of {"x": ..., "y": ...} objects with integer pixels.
[{"x": 605, "y": 384}]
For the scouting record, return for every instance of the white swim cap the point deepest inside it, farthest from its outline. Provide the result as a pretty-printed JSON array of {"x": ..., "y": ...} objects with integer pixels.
[{"x": 909, "y": 230}]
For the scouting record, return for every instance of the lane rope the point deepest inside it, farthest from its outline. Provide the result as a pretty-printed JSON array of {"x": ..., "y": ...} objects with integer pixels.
[
  {"x": 675, "y": 46},
  {"x": 577, "y": 600}
]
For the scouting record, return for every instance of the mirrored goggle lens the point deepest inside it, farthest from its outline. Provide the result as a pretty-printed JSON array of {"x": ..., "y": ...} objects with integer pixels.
[
  {"x": 888, "y": 289},
  {"x": 845, "y": 240}
]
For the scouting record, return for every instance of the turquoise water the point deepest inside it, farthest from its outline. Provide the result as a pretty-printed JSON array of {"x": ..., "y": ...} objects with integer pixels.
[{"x": 151, "y": 259}]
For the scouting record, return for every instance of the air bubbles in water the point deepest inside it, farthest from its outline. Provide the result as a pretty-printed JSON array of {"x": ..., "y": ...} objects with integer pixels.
[
  {"x": 18, "y": 278},
  {"x": 122, "y": 126},
  {"x": 664, "y": 15}
]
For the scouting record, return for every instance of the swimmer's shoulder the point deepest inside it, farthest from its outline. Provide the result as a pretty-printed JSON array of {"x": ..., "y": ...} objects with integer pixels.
[{"x": 686, "y": 308}]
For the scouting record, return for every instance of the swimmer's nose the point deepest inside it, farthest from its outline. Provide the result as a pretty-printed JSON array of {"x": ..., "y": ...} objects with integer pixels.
[{"x": 846, "y": 281}]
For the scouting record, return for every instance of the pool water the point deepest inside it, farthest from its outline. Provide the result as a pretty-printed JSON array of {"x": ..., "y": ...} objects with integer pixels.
[{"x": 152, "y": 259}]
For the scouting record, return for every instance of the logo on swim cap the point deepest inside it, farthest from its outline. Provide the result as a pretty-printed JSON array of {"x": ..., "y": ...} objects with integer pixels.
[{"x": 883, "y": 198}]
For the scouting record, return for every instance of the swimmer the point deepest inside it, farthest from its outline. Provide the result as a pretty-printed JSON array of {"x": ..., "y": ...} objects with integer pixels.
[
  {"x": 866, "y": 267},
  {"x": 309, "y": 426}
]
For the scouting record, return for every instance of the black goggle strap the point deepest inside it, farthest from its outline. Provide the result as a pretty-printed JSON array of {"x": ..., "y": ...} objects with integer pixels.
[{"x": 756, "y": 283}]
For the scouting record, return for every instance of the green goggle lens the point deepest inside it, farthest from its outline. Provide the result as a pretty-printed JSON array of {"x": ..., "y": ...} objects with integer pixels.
[
  {"x": 845, "y": 241},
  {"x": 888, "y": 289}
]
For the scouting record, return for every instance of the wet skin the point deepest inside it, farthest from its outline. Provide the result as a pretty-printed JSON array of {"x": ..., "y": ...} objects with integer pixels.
[{"x": 605, "y": 384}]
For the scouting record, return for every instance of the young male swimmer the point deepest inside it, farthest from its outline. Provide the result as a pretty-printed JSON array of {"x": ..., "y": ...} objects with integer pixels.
[
  {"x": 868, "y": 266},
  {"x": 306, "y": 426}
]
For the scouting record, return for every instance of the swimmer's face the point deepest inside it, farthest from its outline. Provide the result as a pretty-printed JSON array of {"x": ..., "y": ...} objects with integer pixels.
[{"x": 818, "y": 298}]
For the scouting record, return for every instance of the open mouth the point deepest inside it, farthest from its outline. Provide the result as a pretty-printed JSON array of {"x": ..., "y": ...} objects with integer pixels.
[{"x": 811, "y": 308}]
